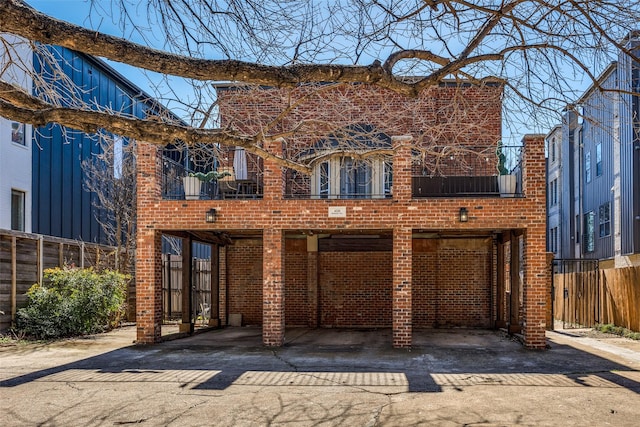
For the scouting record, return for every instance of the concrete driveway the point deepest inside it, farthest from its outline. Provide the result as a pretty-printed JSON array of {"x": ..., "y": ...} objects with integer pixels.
[{"x": 322, "y": 377}]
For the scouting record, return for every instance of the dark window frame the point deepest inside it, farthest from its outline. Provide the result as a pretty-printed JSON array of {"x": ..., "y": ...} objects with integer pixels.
[
  {"x": 604, "y": 220},
  {"x": 589, "y": 232}
]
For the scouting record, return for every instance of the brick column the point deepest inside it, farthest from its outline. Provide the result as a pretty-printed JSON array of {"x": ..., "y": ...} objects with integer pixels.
[
  {"x": 273, "y": 179},
  {"x": 401, "y": 293},
  {"x": 149, "y": 248},
  {"x": 149, "y": 286},
  {"x": 535, "y": 257},
  {"x": 535, "y": 289},
  {"x": 273, "y": 287},
  {"x": 401, "y": 167}
]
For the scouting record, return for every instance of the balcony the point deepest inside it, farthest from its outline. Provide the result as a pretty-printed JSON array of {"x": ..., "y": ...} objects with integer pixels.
[
  {"x": 469, "y": 172},
  {"x": 189, "y": 176}
]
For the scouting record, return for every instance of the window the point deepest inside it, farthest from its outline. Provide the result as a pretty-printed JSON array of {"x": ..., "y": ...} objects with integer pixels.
[
  {"x": 345, "y": 177},
  {"x": 553, "y": 192},
  {"x": 17, "y": 133},
  {"x": 604, "y": 219},
  {"x": 589, "y": 231},
  {"x": 17, "y": 210},
  {"x": 553, "y": 239},
  {"x": 355, "y": 178},
  {"x": 117, "y": 157},
  {"x": 553, "y": 151},
  {"x": 599, "y": 159},
  {"x": 587, "y": 166}
]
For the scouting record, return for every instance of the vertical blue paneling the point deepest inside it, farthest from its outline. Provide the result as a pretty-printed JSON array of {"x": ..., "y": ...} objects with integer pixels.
[
  {"x": 55, "y": 174},
  {"x": 61, "y": 205},
  {"x": 76, "y": 190}
]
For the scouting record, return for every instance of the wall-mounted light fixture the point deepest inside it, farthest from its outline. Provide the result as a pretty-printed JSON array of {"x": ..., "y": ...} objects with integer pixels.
[
  {"x": 464, "y": 215},
  {"x": 210, "y": 215}
]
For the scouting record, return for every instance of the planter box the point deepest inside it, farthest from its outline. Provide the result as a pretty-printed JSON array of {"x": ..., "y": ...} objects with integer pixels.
[
  {"x": 192, "y": 187},
  {"x": 507, "y": 185}
]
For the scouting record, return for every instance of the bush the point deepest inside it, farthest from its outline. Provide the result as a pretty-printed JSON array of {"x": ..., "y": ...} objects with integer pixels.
[
  {"x": 610, "y": 328},
  {"x": 74, "y": 302}
]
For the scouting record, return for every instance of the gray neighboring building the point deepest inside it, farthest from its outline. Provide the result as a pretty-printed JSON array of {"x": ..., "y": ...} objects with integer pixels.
[
  {"x": 554, "y": 189},
  {"x": 593, "y": 179}
]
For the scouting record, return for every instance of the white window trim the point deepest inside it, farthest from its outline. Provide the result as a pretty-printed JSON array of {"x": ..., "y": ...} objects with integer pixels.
[{"x": 335, "y": 165}]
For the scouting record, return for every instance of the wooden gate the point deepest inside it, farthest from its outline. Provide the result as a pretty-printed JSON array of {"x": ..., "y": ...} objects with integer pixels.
[
  {"x": 576, "y": 292},
  {"x": 172, "y": 288}
]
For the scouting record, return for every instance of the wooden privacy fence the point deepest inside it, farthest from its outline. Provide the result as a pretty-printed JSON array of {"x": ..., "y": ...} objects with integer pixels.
[
  {"x": 621, "y": 297},
  {"x": 172, "y": 288},
  {"x": 576, "y": 292},
  {"x": 591, "y": 296},
  {"x": 24, "y": 257}
]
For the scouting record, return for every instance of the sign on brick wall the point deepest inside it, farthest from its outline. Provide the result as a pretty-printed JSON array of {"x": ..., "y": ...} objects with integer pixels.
[{"x": 337, "y": 211}]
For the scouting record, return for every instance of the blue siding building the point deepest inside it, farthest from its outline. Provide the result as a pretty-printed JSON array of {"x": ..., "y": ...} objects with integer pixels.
[{"x": 60, "y": 204}]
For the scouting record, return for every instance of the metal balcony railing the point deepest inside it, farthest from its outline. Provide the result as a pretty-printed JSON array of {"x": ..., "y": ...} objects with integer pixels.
[
  {"x": 470, "y": 172},
  {"x": 177, "y": 183},
  {"x": 467, "y": 172}
]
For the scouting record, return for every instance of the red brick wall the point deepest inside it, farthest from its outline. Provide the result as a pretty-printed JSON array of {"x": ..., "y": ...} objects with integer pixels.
[
  {"x": 355, "y": 289},
  {"x": 445, "y": 115},
  {"x": 244, "y": 279},
  {"x": 297, "y": 304},
  {"x": 452, "y": 283},
  {"x": 443, "y": 294},
  {"x": 275, "y": 213},
  {"x": 429, "y": 118},
  {"x": 464, "y": 287},
  {"x": 425, "y": 282}
]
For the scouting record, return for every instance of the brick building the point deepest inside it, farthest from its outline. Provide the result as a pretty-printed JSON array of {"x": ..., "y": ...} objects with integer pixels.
[{"x": 398, "y": 224}]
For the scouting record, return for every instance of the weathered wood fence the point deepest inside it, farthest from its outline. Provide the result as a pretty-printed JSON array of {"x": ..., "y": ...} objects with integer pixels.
[
  {"x": 620, "y": 290},
  {"x": 24, "y": 257},
  {"x": 585, "y": 298}
]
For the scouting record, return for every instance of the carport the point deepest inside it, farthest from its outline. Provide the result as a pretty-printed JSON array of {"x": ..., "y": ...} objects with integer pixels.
[{"x": 334, "y": 279}]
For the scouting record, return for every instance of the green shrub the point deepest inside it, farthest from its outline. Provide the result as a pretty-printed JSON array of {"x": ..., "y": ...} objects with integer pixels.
[
  {"x": 74, "y": 302},
  {"x": 610, "y": 328}
]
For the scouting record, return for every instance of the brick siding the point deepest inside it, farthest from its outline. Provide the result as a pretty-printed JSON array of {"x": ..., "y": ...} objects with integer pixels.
[
  {"x": 463, "y": 298},
  {"x": 443, "y": 294},
  {"x": 244, "y": 280},
  {"x": 355, "y": 289},
  {"x": 452, "y": 283}
]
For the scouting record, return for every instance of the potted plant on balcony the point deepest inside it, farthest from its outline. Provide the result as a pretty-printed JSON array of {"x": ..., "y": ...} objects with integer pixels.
[
  {"x": 506, "y": 181},
  {"x": 193, "y": 182}
]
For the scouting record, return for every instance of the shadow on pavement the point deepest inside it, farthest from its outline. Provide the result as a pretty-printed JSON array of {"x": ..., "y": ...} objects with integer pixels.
[{"x": 220, "y": 359}]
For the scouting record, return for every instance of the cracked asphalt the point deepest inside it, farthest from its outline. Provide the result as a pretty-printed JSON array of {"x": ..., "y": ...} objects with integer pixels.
[{"x": 324, "y": 377}]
